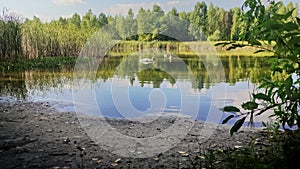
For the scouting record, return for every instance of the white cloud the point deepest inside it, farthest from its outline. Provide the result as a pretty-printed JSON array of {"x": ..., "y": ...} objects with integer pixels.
[
  {"x": 68, "y": 2},
  {"x": 173, "y": 2}
]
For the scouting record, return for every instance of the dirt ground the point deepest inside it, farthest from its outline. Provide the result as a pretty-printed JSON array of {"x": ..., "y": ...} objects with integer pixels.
[{"x": 34, "y": 135}]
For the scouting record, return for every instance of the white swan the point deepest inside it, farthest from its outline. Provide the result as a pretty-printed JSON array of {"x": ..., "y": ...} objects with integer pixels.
[
  {"x": 147, "y": 60},
  {"x": 170, "y": 57}
]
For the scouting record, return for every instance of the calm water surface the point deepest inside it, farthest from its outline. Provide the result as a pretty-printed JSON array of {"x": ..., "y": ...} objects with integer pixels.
[{"x": 135, "y": 86}]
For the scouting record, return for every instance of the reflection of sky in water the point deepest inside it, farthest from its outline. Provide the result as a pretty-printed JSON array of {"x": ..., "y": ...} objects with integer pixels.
[
  {"x": 209, "y": 100},
  {"x": 168, "y": 98}
]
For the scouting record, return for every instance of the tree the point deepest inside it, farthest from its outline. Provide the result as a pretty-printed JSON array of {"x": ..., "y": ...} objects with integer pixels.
[
  {"x": 173, "y": 27},
  {"x": 226, "y": 19},
  {"x": 131, "y": 26},
  {"x": 88, "y": 20},
  {"x": 155, "y": 17},
  {"x": 173, "y": 12},
  {"x": 75, "y": 19},
  {"x": 102, "y": 20},
  {"x": 157, "y": 9},
  {"x": 62, "y": 20},
  {"x": 236, "y": 23},
  {"x": 148, "y": 23},
  {"x": 184, "y": 15},
  {"x": 198, "y": 18},
  {"x": 212, "y": 19}
]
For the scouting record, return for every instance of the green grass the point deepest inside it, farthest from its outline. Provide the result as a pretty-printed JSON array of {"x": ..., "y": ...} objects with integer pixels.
[
  {"x": 188, "y": 48},
  {"x": 280, "y": 152},
  {"x": 53, "y": 63}
]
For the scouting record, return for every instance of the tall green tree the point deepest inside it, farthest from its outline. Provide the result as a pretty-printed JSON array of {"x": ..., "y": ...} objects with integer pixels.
[
  {"x": 173, "y": 12},
  {"x": 226, "y": 23},
  {"x": 75, "y": 19},
  {"x": 212, "y": 19},
  {"x": 88, "y": 20},
  {"x": 131, "y": 26},
  {"x": 198, "y": 18},
  {"x": 236, "y": 24},
  {"x": 102, "y": 20}
]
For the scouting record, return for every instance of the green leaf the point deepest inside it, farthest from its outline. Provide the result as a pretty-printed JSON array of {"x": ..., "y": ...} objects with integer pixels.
[
  {"x": 290, "y": 26},
  {"x": 289, "y": 14},
  {"x": 249, "y": 105},
  {"x": 294, "y": 96},
  {"x": 237, "y": 125},
  {"x": 298, "y": 20},
  {"x": 230, "y": 109},
  {"x": 288, "y": 83},
  {"x": 277, "y": 69},
  {"x": 227, "y": 119},
  {"x": 262, "y": 96},
  {"x": 291, "y": 121}
]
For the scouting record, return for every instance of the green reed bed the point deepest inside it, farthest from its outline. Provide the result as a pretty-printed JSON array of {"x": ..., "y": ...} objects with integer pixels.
[{"x": 38, "y": 63}]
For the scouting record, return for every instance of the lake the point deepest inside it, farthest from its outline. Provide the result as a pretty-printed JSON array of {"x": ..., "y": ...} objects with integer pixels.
[{"x": 137, "y": 85}]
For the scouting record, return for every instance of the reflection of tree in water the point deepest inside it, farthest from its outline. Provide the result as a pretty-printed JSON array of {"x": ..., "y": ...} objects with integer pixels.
[
  {"x": 236, "y": 69},
  {"x": 13, "y": 84},
  {"x": 155, "y": 77},
  {"x": 107, "y": 67},
  {"x": 48, "y": 80},
  {"x": 19, "y": 84},
  {"x": 241, "y": 68}
]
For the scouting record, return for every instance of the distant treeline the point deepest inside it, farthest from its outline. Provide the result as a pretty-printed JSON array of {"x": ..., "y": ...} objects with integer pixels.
[{"x": 32, "y": 38}]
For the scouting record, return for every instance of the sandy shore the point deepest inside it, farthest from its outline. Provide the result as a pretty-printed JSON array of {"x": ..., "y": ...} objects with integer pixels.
[{"x": 34, "y": 135}]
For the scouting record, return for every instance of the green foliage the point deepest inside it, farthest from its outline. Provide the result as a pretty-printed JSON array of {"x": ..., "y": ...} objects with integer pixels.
[
  {"x": 273, "y": 24},
  {"x": 250, "y": 105},
  {"x": 198, "y": 18},
  {"x": 230, "y": 109},
  {"x": 237, "y": 125},
  {"x": 236, "y": 24},
  {"x": 47, "y": 63},
  {"x": 227, "y": 119},
  {"x": 10, "y": 35},
  {"x": 215, "y": 36}
]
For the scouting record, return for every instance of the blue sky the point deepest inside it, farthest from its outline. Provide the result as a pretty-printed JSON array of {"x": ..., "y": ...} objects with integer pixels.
[{"x": 51, "y": 9}]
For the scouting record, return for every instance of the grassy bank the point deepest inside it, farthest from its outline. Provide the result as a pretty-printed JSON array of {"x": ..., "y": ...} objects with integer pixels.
[
  {"x": 54, "y": 63},
  {"x": 127, "y": 48},
  {"x": 187, "y": 48}
]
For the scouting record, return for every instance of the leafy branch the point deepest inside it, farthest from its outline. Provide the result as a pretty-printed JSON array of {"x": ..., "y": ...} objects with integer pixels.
[{"x": 281, "y": 95}]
